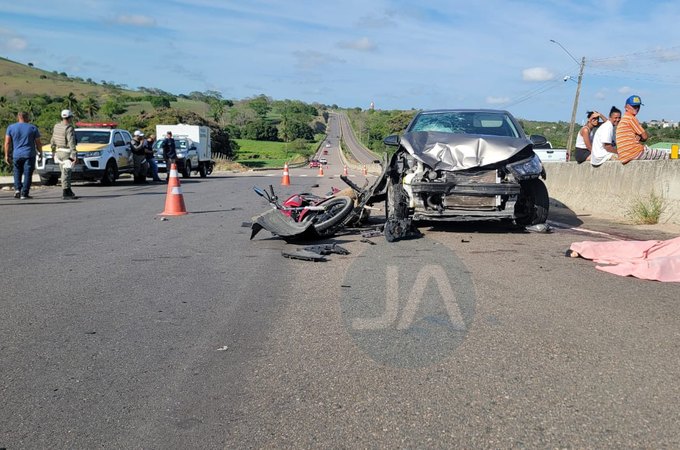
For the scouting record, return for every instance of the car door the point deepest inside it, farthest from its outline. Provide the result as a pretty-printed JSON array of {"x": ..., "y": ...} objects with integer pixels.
[{"x": 121, "y": 148}]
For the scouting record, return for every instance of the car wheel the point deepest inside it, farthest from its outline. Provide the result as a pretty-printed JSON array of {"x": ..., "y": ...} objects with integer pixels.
[
  {"x": 396, "y": 207},
  {"x": 202, "y": 170},
  {"x": 532, "y": 204},
  {"x": 186, "y": 173},
  {"x": 49, "y": 180},
  {"x": 110, "y": 173}
]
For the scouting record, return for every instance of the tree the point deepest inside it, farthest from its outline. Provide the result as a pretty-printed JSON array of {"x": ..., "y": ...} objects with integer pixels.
[
  {"x": 260, "y": 130},
  {"x": 217, "y": 108},
  {"x": 260, "y": 105},
  {"x": 290, "y": 130},
  {"x": 160, "y": 102},
  {"x": 71, "y": 102},
  {"x": 112, "y": 107},
  {"x": 90, "y": 106}
]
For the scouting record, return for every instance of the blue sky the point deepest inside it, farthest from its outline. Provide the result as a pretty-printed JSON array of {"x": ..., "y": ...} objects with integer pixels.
[{"x": 399, "y": 54}]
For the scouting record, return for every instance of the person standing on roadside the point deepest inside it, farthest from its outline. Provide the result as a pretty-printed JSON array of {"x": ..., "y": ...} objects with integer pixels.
[
  {"x": 630, "y": 135},
  {"x": 150, "y": 141},
  {"x": 584, "y": 140},
  {"x": 63, "y": 143},
  {"x": 24, "y": 138},
  {"x": 138, "y": 148},
  {"x": 169, "y": 152},
  {"x": 604, "y": 142}
]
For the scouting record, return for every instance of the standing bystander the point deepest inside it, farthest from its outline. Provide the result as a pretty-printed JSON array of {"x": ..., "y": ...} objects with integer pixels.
[
  {"x": 150, "y": 157},
  {"x": 604, "y": 142},
  {"x": 630, "y": 135},
  {"x": 169, "y": 153},
  {"x": 24, "y": 138},
  {"x": 63, "y": 143},
  {"x": 138, "y": 149}
]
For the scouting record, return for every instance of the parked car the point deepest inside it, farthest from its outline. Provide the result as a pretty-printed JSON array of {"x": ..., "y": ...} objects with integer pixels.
[
  {"x": 103, "y": 154},
  {"x": 465, "y": 165}
]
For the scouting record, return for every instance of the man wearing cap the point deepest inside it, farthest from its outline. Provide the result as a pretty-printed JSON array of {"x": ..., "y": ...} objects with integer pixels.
[
  {"x": 137, "y": 147},
  {"x": 63, "y": 143},
  {"x": 24, "y": 138},
  {"x": 630, "y": 135}
]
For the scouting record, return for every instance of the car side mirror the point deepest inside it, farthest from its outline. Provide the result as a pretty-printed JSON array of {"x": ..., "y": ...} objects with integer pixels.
[
  {"x": 538, "y": 139},
  {"x": 392, "y": 140}
]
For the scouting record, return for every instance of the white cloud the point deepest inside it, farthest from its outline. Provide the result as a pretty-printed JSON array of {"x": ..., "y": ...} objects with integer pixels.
[
  {"x": 363, "y": 44},
  {"x": 136, "y": 20},
  {"x": 537, "y": 74},
  {"x": 625, "y": 90},
  {"x": 313, "y": 60},
  {"x": 600, "y": 95},
  {"x": 9, "y": 41},
  {"x": 16, "y": 44},
  {"x": 497, "y": 100}
]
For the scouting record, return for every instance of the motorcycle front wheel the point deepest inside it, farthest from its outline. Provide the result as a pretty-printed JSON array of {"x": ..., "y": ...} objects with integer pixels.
[{"x": 336, "y": 210}]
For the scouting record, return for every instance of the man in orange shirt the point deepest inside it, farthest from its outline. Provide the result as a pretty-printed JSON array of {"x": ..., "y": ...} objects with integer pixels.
[{"x": 630, "y": 135}]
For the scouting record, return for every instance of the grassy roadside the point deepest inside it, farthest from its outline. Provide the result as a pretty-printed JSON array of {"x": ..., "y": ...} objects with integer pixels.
[{"x": 266, "y": 154}]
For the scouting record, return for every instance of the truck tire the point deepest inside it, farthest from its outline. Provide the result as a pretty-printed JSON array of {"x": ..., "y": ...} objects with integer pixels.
[
  {"x": 203, "y": 170},
  {"x": 48, "y": 180},
  {"x": 110, "y": 173},
  {"x": 186, "y": 173}
]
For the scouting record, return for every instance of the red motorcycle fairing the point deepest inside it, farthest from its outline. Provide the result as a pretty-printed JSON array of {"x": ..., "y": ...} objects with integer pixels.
[{"x": 300, "y": 201}]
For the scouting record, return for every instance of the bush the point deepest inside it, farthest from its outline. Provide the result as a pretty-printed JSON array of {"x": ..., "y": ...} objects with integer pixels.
[{"x": 647, "y": 211}]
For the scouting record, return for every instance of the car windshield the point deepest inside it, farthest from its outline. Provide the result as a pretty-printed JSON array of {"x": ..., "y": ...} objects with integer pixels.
[
  {"x": 180, "y": 144},
  {"x": 92, "y": 137},
  {"x": 466, "y": 122}
]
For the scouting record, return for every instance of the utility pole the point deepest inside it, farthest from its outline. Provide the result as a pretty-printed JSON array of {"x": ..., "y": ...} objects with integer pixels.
[
  {"x": 582, "y": 64},
  {"x": 570, "y": 141}
]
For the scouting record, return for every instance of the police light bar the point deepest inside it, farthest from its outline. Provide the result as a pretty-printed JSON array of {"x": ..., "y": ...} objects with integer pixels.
[{"x": 97, "y": 124}]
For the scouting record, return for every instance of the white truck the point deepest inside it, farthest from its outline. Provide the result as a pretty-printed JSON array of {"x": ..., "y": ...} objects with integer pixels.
[{"x": 192, "y": 143}]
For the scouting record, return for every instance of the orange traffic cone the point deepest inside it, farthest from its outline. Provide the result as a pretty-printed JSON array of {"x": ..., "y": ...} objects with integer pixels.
[
  {"x": 285, "y": 181},
  {"x": 320, "y": 170},
  {"x": 174, "y": 200},
  {"x": 363, "y": 170},
  {"x": 344, "y": 170}
]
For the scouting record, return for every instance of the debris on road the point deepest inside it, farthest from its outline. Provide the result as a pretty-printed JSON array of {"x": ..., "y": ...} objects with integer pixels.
[{"x": 315, "y": 252}]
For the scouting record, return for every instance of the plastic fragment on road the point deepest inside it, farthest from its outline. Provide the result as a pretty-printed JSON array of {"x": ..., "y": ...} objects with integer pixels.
[{"x": 539, "y": 228}]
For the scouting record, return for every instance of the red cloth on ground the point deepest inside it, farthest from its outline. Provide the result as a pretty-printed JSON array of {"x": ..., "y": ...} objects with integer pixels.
[{"x": 647, "y": 260}]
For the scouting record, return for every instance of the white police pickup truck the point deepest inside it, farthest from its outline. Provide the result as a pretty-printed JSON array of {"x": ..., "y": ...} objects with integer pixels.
[{"x": 103, "y": 154}]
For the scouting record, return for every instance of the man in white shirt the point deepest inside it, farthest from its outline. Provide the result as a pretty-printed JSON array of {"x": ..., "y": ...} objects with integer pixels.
[{"x": 604, "y": 141}]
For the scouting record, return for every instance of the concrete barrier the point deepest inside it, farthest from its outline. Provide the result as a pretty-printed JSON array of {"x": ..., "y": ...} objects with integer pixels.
[{"x": 611, "y": 189}]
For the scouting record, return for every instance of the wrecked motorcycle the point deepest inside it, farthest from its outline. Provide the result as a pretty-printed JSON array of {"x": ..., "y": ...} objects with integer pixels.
[{"x": 301, "y": 216}]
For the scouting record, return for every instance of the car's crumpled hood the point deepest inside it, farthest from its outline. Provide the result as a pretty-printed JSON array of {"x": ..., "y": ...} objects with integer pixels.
[{"x": 447, "y": 151}]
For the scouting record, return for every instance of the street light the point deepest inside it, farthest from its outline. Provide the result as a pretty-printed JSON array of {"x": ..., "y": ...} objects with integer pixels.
[{"x": 582, "y": 64}]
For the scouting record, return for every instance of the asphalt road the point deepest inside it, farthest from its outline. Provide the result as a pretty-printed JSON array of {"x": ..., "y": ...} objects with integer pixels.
[{"x": 122, "y": 330}]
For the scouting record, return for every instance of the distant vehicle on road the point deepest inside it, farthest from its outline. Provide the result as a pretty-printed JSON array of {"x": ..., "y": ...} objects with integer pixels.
[
  {"x": 314, "y": 163},
  {"x": 328, "y": 144},
  {"x": 323, "y": 161}
]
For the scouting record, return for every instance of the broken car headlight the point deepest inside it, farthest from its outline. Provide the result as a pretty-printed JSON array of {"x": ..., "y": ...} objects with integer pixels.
[{"x": 526, "y": 168}]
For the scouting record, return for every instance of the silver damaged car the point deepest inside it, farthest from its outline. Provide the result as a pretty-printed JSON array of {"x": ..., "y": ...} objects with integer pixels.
[{"x": 464, "y": 164}]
